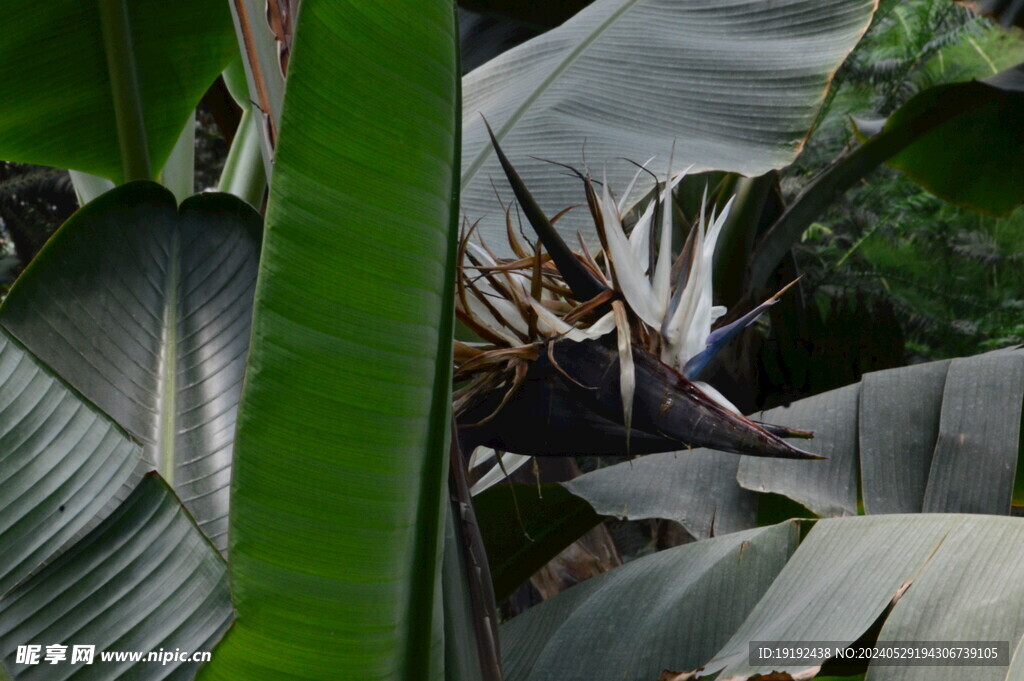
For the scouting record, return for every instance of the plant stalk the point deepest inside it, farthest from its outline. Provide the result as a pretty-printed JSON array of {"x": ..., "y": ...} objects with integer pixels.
[
  {"x": 243, "y": 173},
  {"x": 478, "y": 573},
  {"x": 124, "y": 86}
]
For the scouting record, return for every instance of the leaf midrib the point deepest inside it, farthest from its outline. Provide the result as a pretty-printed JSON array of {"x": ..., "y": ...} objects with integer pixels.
[{"x": 168, "y": 368}]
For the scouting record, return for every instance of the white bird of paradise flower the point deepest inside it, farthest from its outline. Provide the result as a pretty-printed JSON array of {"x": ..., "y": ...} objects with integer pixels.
[{"x": 515, "y": 303}]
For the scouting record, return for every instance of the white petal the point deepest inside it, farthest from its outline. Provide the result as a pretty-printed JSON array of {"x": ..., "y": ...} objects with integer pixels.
[
  {"x": 690, "y": 325},
  {"x": 661, "y": 283},
  {"x": 627, "y": 373},
  {"x": 716, "y": 228},
  {"x": 511, "y": 462},
  {"x": 549, "y": 322},
  {"x": 676, "y": 329},
  {"x": 716, "y": 396},
  {"x": 625, "y": 196},
  {"x": 479, "y": 456},
  {"x": 640, "y": 237},
  {"x": 601, "y": 326},
  {"x": 506, "y": 308},
  {"x": 629, "y": 272}
]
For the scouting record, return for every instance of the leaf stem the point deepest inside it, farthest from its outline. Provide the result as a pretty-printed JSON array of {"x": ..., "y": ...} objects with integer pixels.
[
  {"x": 243, "y": 173},
  {"x": 124, "y": 86}
]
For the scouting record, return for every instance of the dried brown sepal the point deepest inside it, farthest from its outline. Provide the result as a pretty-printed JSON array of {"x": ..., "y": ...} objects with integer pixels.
[
  {"x": 281, "y": 19},
  {"x": 519, "y": 369},
  {"x": 590, "y": 307},
  {"x": 496, "y": 357},
  {"x": 559, "y": 214},
  {"x": 669, "y": 675},
  {"x": 519, "y": 264},
  {"x": 589, "y": 261},
  {"x": 482, "y": 297},
  {"x": 513, "y": 240},
  {"x": 536, "y": 288},
  {"x": 463, "y": 352}
]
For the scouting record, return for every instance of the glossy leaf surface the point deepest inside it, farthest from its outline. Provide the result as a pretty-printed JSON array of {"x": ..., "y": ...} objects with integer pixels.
[
  {"x": 736, "y": 88},
  {"x": 677, "y": 606},
  {"x": 55, "y": 84},
  {"x": 146, "y": 309},
  {"x": 340, "y": 467},
  {"x": 61, "y": 460},
  {"x": 146, "y": 579}
]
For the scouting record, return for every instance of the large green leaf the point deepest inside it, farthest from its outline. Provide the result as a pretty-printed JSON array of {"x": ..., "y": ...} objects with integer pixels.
[
  {"x": 146, "y": 579},
  {"x": 736, "y": 87},
  {"x": 889, "y": 400},
  {"x": 837, "y": 584},
  {"x": 961, "y": 141},
  {"x": 972, "y": 589},
  {"x": 669, "y": 610},
  {"x": 963, "y": 573},
  {"x": 948, "y": 441},
  {"x": 695, "y": 488},
  {"x": 461, "y": 656},
  {"x": 828, "y": 487},
  {"x": 146, "y": 308},
  {"x": 337, "y": 492},
  {"x": 976, "y": 156},
  {"x": 936, "y": 437},
  {"x": 59, "y": 107},
  {"x": 974, "y": 463},
  {"x": 890, "y": 578},
  {"x": 61, "y": 460}
]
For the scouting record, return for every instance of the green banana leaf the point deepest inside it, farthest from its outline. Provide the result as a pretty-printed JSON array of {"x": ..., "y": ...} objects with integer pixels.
[
  {"x": 939, "y": 437},
  {"x": 339, "y": 478},
  {"x": 914, "y": 577},
  {"x": 888, "y": 578},
  {"x": 669, "y": 610},
  {"x": 829, "y": 488},
  {"x": 976, "y": 156},
  {"x": 61, "y": 461},
  {"x": 55, "y": 78},
  {"x": 244, "y": 173},
  {"x": 145, "y": 308},
  {"x": 696, "y": 488},
  {"x": 936, "y": 437},
  {"x": 735, "y": 88},
  {"x": 461, "y": 657},
  {"x": 961, "y": 141},
  {"x": 145, "y": 580}
]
